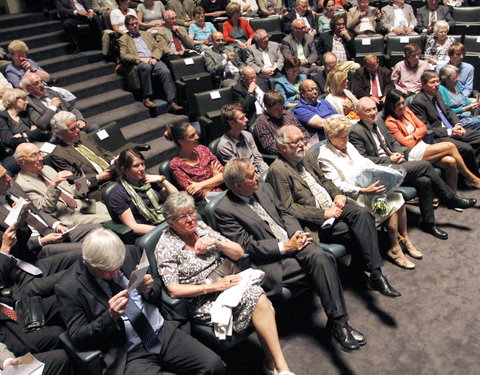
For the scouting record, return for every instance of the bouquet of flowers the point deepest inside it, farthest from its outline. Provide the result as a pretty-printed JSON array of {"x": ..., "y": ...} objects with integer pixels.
[{"x": 389, "y": 176}]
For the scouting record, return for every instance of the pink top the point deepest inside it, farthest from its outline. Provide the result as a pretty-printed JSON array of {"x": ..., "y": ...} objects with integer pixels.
[
  {"x": 408, "y": 80},
  {"x": 183, "y": 173}
]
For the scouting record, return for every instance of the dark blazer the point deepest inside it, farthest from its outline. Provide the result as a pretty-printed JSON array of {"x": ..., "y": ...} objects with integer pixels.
[
  {"x": 241, "y": 224},
  {"x": 423, "y": 107},
  {"x": 325, "y": 44},
  {"x": 443, "y": 13},
  {"x": 289, "y": 48},
  {"x": 288, "y": 18},
  {"x": 241, "y": 95},
  {"x": 8, "y": 128},
  {"x": 64, "y": 7},
  {"x": 41, "y": 115},
  {"x": 362, "y": 139},
  {"x": 361, "y": 82}
]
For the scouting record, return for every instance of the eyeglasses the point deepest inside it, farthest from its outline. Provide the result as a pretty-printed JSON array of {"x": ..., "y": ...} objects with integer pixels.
[
  {"x": 192, "y": 214},
  {"x": 297, "y": 141}
]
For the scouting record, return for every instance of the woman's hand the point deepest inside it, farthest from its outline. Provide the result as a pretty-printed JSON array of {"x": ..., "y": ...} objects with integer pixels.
[
  {"x": 240, "y": 43},
  {"x": 216, "y": 167},
  {"x": 469, "y": 107},
  {"x": 226, "y": 282},
  {"x": 374, "y": 188},
  {"x": 152, "y": 178},
  {"x": 202, "y": 244},
  {"x": 194, "y": 187}
]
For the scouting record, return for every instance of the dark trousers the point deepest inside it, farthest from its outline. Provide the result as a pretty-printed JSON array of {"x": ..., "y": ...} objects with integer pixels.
[
  {"x": 358, "y": 224},
  {"x": 70, "y": 25},
  {"x": 147, "y": 71},
  {"x": 469, "y": 148},
  {"x": 56, "y": 362}
]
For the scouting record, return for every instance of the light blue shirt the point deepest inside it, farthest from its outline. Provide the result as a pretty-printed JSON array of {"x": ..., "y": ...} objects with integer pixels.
[
  {"x": 199, "y": 34},
  {"x": 142, "y": 48}
]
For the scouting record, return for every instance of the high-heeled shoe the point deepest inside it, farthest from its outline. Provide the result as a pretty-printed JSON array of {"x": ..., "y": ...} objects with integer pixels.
[
  {"x": 400, "y": 260},
  {"x": 472, "y": 184},
  {"x": 409, "y": 248}
]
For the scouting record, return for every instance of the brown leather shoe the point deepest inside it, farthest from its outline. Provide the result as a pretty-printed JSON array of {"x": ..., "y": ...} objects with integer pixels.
[
  {"x": 148, "y": 103},
  {"x": 174, "y": 107}
]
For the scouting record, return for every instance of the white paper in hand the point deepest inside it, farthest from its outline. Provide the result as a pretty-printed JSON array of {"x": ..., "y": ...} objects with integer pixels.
[
  {"x": 20, "y": 207},
  {"x": 81, "y": 185},
  {"x": 137, "y": 276},
  {"x": 28, "y": 365}
]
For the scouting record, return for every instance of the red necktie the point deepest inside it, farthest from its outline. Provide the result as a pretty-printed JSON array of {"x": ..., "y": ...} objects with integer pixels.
[
  {"x": 9, "y": 312},
  {"x": 177, "y": 43},
  {"x": 374, "y": 87}
]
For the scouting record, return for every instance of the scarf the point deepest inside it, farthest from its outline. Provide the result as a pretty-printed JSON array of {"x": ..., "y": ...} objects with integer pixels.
[{"x": 154, "y": 214}]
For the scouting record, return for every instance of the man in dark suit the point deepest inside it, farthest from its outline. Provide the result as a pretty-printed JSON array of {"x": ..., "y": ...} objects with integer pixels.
[
  {"x": 372, "y": 80},
  {"x": 253, "y": 216},
  {"x": 373, "y": 140},
  {"x": 323, "y": 210},
  {"x": 75, "y": 13},
  {"x": 126, "y": 326},
  {"x": 429, "y": 107},
  {"x": 430, "y": 14},
  {"x": 301, "y": 11},
  {"x": 249, "y": 93},
  {"x": 338, "y": 40},
  {"x": 80, "y": 154}
]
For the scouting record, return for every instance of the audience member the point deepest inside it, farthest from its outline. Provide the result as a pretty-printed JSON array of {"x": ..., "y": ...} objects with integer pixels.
[
  {"x": 237, "y": 142},
  {"x": 252, "y": 215},
  {"x": 236, "y": 29},
  {"x": 185, "y": 256},
  {"x": 265, "y": 56},
  {"x": 300, "y": 12},
  {"x": 325, "y": 18},
  {"x": 223, "y": 61},
  {"x": 214, "y": 8},
  {"x": 312, "y": 111},
  {"x": 184, "y": 9},
  {"x": 195, "y": 169},
  {"x": 270, "y": 7},
  {"x": 104, "y": 6},
  {"x": 438, "y": 44},
  {"x": 175, "y": 37},
  {"x": 142, "y": 54},
  {"x": 432, "y": 13},
  {"x": 301, "y": 44},
  {"x": 249, "y": 93},
  {"x": 117, "y": 16},
  {"x": 341, "y": 99},
  {"x": 340, "y": 162},
  {"x": 101, "y": 314},
  {"x": 288, "y": 84},
  {"x": 4, "y": 86},
  {"x": 329, "y": 62},
  {"x": 273, "y": 118},
  {"x": 150, "y": 15},
  {"x": 49, "y": 191},
  {"x": 399, "y": 19},
  {"x": 364, "y": 20},
  {"x": 200, "y": 31},
  {"x": 249, "y": 8},
  {"x": 406, "y": 73},
  {"x": 315, "y": 201},
  {"x": 456, "y": 53}
]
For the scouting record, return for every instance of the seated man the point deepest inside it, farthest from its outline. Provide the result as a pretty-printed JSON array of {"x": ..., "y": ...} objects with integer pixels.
[
  {"x": 265, "y": 56},
  {"x": 364, "y": 20},
  {"x": 75, "y": 13},
  {"x": 237, "y": 142},
  {"x": 249, "y": 93},
  {"x": 329, "y": 63},
  {"x": 252, "y": 215},
  {"x": 175, "y": 37},
  {"x": 126, "y": 326},
  {"x": 50, "y": 192},
  {"x": 302, "y": 12},
  {"x": 430, "y": 14},
  {"x": 430, "y": 108},
  {"x": 312, "y": 111},
  {"x": 80, "y": 154},
  {"x": 223, "y": 61},
  {"x": 273, "y": 118},
  {"x": 313, "y": 200},
  {"x": 373, "y": 140},
  {"x": 301, "y": 44},
  {"x": 399, "y": 19},
  {"x": 372, "y": 80},
  {"x": 184, "y": 11},
  {"x": 456, "y": 53},
  {"x": 141, "y": 54},
  {"x": 44, "y": 102},
  {"x": 406, "y": 73}
]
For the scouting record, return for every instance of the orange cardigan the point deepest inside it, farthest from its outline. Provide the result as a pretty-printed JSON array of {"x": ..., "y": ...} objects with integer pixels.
[{"x": 399, "y": 129}]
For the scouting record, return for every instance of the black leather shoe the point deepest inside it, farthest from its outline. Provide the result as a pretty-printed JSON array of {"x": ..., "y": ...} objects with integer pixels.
[
  {"x": 435, "y": 231},
  {"x": 459, "y": 202},
  {"x": 342, "y": 333},
  {"x": 382, "y": 285},
  {"x": 357, "y": 335}
]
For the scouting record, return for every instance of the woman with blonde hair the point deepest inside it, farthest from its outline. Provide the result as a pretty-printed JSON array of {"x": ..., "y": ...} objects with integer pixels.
[{"x": 339, "y": 96}]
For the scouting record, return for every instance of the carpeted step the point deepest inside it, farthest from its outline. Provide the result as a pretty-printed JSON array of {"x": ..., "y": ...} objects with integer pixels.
[
  {"x": 161, "y": 149},
  {"x": 57, "y": 63},
  {"x": 152, "y": 128},
  {"x": 104, "y": 102},
  {"x": 126, "y": 115},
  {"x": 19, "y": 32},
  {"x": 51, "y": 50},
  {"x": 12, "y": 20},
  {"x": 85, "y": 72},
  {"x": 40, "y": 40},
  {"x": 85, "y": 89}
]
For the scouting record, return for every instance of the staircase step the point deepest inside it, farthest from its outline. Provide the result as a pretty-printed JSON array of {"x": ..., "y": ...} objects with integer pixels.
[
  {"x": 36, "y": 28},
  {"x": 96, "y": 104},
  {"x": 92, "y": 87},
  {"x": 12, "y": 20},
  {"x": 58, "y": 63},
  {"x": 86, "y": 72},
  {"x": 51, "y": 50},
  {"x": 126, "y": 115},
  {"x": 40, "y": 40},
  {"x": 146, "y": 130},
  {"x": 161, "y": 149}
]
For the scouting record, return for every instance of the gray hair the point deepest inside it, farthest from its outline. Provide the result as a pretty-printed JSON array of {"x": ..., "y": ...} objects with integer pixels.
[
  {"x": 298, "y": 2},
  {"x": 258, "y": 33},
  {"x": 442, "y": 24},
  {"x": 175, "y": 203},
  {"x": 279, "y": 136},
  {"x": 336, "y": 124},
  {"x": 10, "y": 97},
  {"x": 59, "y": 121},
  {"x": 22, "y": 149},
  {"x": 447, "y": 72},
  {"x": 103, "y": 249},
  {"x": 235, "y": 172},
  {"x": 26, "y": 82}
]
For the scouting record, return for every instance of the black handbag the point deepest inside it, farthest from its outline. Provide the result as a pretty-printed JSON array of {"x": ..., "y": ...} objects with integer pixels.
[
  {"x": 30, "y": 313},
  {"x": 226, "y": 268}
]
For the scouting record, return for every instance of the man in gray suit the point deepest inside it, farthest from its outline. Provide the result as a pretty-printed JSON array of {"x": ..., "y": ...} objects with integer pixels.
[
  {"x": 265, "y": 56},
  {"x": 430, "y": 14},
  {"x": 222, "y": 61},
  {"x": 301, "y": 44},
  {"x": 399, "y": 25}
]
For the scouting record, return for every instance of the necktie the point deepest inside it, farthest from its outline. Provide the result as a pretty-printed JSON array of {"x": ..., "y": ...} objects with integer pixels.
[
  {"x": 90, "y": 155},
  {"x": 9, "y": 312},
  {"x": 64, "y": 196},
  {"x": 279, "y": 233},
  {"x": 177, "y": 43},
  {"x": 140, "y": 323},
  {"x": 374, "y": 87},
  {"x": 383, "y": 145},
  {"x": 445, "y": 121},
  {"x": 322, "y": 198},
  {"x": 28, "y": 267}
]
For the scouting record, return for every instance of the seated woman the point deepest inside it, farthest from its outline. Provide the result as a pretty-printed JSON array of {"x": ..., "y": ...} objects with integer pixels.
[
  {"x": 341, "y": 162},
  {"x": 339, "y": 96},
  {"x": 15, "y": 126},
  {"x": 436, "y": 48},
  {"x": 117, "y": 16},
  {"x": 452, "y": 95},
  {"x": 408, "y": 130},
  {"x": 150, "y": 15},
  {"x": 188, "y": 252},
  {"x": 289, "y": 84},
  {"x": 249, "y": 8},
  {"x": 326, "y": 16},
  {"x": 214, "y": 8},
  {"x": 195, "y": 169},
  {"x": 237, "y": 29},
  {"x": 137, "y": 200},
  {"x": 200, "y": 30}
]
